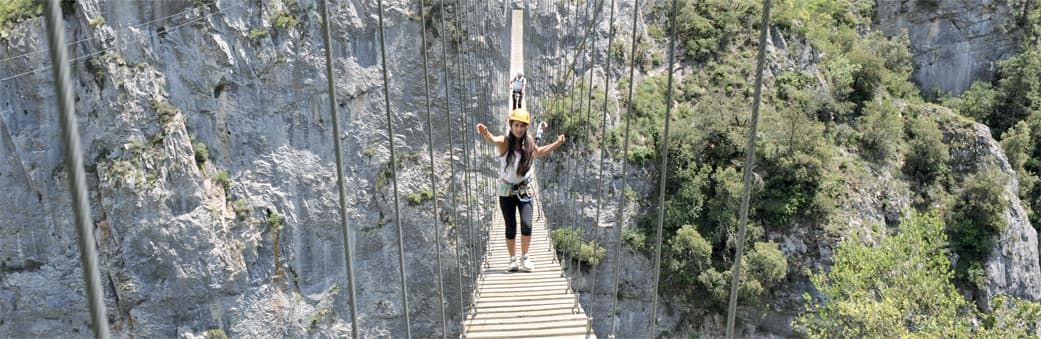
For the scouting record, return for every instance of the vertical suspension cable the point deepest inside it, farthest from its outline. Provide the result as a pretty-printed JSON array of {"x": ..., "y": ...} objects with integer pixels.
[
  {"x": 460, "y": 59},
  {"x": 560, "y": 106},
  {"x": 474, "y": 81},
  {"x": 589, "y": 106},
  {"x": 625, "y": 158},
  {"x": 433, "y": 176},
  {"x": 749, "y": 165},
  {"x": 479, "y": 148},
  {"x": 348, "y": 255},
  {"x": 603, "y": 150},
  {"x": 74, "y": 163},
  {"x": 580, "y": 172},
  {"x": 451, "y": 163},
  {"x": 394, "y": 173},
  {"x": 664, "y": 173},
  {"x": 569, "y": 169},
  {"x": 472, "y": 263}
]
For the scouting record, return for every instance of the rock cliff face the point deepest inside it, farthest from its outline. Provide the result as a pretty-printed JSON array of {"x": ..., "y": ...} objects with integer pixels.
[
  {"x": 183, "y": 251},
  {"x": 954, "y": 42},
  {"x": 1012, "y": 266}
]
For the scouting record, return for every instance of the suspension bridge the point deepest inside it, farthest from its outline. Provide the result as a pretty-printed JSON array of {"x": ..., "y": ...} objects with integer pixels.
[
  {"x": 502, "y": 304},
  {"x": 524, "y": 305}
]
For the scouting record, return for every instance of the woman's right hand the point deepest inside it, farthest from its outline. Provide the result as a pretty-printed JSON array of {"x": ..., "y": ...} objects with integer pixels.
[{"x": 482, "y": 129}]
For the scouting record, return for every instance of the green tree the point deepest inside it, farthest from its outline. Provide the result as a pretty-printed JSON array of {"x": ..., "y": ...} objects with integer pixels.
[
  {"x": 900, "y": 288},
  {"x": 1010, "y": 318},
  {"x": 1020, "y": 90},
  {"x": 1019, "y": 145},
  {"x": 882, "y": 129},
  {"x": 766, "y": 263},
  {"x": 978, "y": 102},
  {"x": 791, "y": 190},
  {"x": 928, "y": 155},
  {"x": 688, "y": 255},
  {"x": 709, "y": 27},
  {"x": 975, "y": 220}
]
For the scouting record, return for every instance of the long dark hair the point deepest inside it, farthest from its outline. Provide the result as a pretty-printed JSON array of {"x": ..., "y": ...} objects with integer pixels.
[{"x": 526, "y": 146}]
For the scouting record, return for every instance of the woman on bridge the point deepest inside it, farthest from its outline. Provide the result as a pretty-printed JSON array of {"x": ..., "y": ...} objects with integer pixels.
[{"x": 517, "y": 151}]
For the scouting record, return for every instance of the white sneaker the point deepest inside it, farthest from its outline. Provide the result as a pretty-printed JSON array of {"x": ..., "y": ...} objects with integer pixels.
[
  {"x": 513, "y": 264},
  {"x": 526, "y": 264}
]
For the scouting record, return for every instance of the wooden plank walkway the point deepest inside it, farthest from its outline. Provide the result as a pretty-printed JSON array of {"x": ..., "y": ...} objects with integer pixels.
[{"x": 535, "y": 304}]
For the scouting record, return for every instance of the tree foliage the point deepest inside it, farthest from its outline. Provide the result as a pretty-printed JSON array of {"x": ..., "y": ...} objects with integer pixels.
[{"x": 903, "y": 288}]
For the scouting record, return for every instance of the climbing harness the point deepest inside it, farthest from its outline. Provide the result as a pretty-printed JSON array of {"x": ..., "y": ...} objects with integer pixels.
[{"x": 523, "y": 191}]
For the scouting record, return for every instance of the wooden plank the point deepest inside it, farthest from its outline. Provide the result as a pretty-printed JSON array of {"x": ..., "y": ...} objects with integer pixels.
[
  {"x": 524, "y": 297},
  {"x": 527, "y": 319},
  {"x": 566, "y": 301},
  {"x": 522, "y": 277},
  {"x": 497, "y": 294},
  {"x": 532, "y": 333},
  {"x": 493, "y": 274},
  {"x": 521, "y": 288},
  {"x": 556, "y": 312},
  {"x": 574, "y": 324}
]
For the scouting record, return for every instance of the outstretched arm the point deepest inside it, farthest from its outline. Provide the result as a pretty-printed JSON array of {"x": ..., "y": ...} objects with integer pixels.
[
  {"x": 542, "y": 151},
  {"x": 498, "y": 140}
]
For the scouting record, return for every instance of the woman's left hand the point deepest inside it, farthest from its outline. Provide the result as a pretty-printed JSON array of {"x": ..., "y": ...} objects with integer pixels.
[{"x": 560, "y": 139}]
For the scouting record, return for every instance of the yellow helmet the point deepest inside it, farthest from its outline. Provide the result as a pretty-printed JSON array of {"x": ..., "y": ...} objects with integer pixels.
[{"x": 521, "y": 115}]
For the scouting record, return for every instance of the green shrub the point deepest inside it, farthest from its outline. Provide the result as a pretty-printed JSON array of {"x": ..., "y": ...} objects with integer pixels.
[
  {"x": 716, "y": 285},
  {"x": 928, "y": 155},
  {"x": 13, "y": 11},
  {"x": 867, "y": 75},
  {"x": 223, "y": 179},
  {"x": 791, "y": 190},
  {"x": 569, "y": 242},
  {"x": 882, "y": 129},
  {"x": 656, "y": 33},
  {"x": 201, "y": 153},
  {"x": 165, "y": 110},
  {"x": 634, "y": 238},
  {"x": 284, "y": 20},
  {"x": 241, "y": 208},
  {"x": 766, "y": 263},
  {"x": 257, "y": 33},
  {"x": 275, "y": 221},
  {"x": 96, "y": 21},
  {"x": 216, "y": 333},
  {"x": 416, "y": 198}
]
